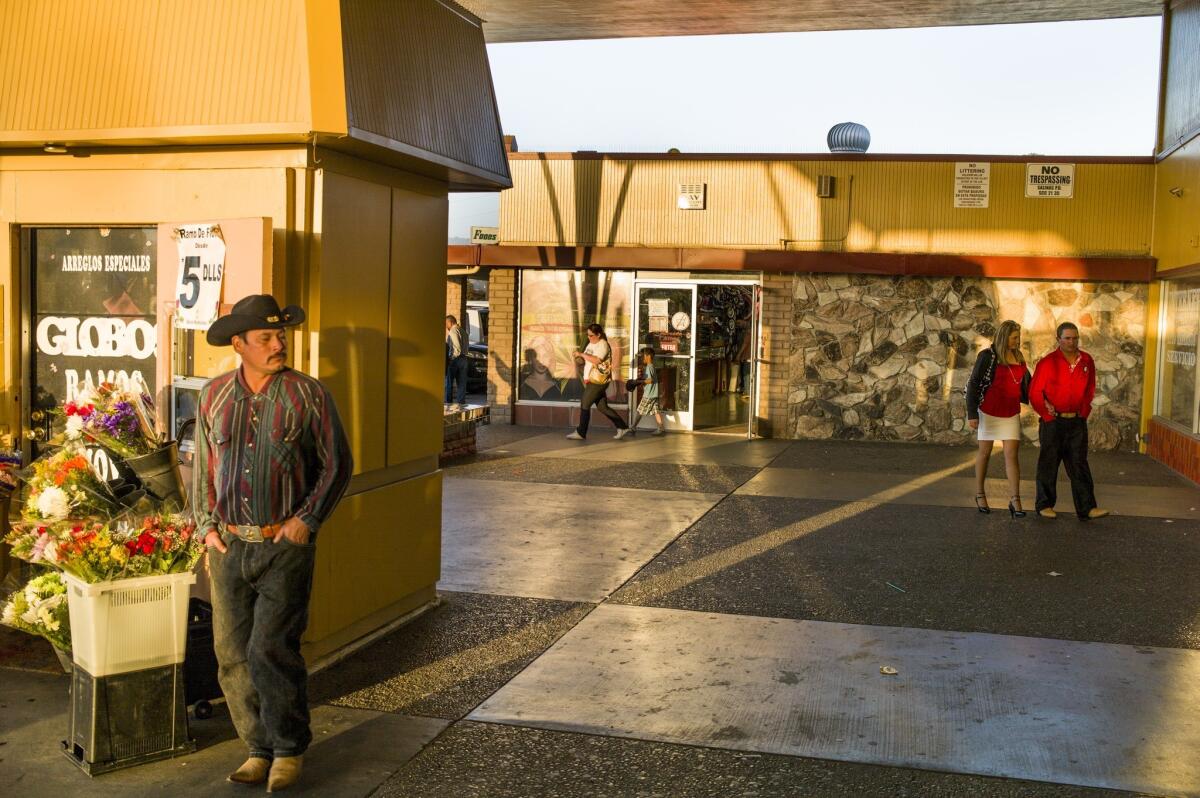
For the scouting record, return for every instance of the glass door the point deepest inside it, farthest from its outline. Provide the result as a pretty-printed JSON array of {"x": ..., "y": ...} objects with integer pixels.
[
  {"x": 665, "y": 322},
  {"x": 755, "y": 358}
]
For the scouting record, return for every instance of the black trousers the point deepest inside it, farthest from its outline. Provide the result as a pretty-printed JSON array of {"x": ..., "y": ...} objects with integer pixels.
[
  {"x": 594, "y": 395},
  {"x": 1065, "y": 440}
]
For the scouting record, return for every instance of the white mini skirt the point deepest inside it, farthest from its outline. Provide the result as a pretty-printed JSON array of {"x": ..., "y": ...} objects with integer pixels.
[{"x": 997, "y": 428}]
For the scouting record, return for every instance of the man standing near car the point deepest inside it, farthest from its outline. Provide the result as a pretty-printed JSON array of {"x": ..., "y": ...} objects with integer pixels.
[
  {"x": 1061, "y": 392},
  {"x": 271, "y": 464},
  {"x": 457, "y": 362}
]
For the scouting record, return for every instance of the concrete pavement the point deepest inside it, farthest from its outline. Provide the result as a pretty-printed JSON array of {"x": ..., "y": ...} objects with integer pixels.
[{"x": 700, "y": 615}]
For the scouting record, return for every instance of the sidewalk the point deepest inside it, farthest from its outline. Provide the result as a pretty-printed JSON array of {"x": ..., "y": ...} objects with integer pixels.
[{"x": 699, "y": 615}]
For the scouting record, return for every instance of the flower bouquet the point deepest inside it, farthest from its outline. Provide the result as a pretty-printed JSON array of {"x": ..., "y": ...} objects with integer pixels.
[
  {"x": 40, "y": 608},
  {"x": 103, "y": 551},
  {"x": 10, "y": 462},
  {"x": 121, "y": 421},
  {"x": 63, "y": 485}
]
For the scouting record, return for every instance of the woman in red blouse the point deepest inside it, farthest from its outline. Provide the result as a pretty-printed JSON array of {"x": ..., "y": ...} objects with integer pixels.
[{"x": 999, "y": 384}]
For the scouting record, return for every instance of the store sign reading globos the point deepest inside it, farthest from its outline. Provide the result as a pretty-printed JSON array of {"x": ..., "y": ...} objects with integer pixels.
[{"x": 95, "y": 311}]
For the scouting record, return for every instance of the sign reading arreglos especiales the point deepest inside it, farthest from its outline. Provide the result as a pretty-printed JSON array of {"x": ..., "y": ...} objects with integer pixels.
[
  {"x": 94, "y": 311},
  {"x": 1050, "y": 180},
  {"x": 972, "y": 184}
]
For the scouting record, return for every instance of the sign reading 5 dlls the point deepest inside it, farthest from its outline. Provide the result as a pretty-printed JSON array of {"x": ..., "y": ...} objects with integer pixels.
[{"x": 201, "y": 271}]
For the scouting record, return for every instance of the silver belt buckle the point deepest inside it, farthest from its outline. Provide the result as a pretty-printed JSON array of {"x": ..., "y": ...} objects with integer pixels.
[{"x": 250, "y": 534}]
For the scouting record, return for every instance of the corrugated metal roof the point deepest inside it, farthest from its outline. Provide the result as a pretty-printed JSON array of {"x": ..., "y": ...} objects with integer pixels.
[
  {"x": 880, "y": 206},
  {"x": 139, "y": 69}
]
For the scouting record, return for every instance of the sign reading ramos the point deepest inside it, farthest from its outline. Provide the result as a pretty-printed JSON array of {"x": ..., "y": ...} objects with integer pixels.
[{"x": 1055, "y": 180}]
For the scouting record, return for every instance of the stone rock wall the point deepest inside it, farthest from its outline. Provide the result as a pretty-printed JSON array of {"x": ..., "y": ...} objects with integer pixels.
[{"x": 886, "y": 358}]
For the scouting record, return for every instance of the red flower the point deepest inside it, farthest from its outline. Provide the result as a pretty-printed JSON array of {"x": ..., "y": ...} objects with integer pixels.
[
  {"x": 146, "y": 542},
  {"x": 131, "y": 546}
]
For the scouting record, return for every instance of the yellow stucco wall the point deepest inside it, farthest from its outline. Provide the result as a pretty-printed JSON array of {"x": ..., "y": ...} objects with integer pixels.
[
  {"x": 880, "y": 206},
  {"x": 1177, "y": 218}
]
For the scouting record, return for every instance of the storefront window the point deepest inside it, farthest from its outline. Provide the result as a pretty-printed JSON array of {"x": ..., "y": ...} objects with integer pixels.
[
  {"x": 1177, "y": 393},
  {"x": 556, "y": 308}
]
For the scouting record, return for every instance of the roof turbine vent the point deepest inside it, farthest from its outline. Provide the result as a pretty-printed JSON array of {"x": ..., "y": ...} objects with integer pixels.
[{"x": 848, "y": 137}]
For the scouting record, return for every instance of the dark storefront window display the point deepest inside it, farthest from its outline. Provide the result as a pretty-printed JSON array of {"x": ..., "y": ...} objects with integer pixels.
[
  {"x": 94, "y": 304},
  {"x": 556, "y": 308},
  {"x": 1181, "y": 331}
]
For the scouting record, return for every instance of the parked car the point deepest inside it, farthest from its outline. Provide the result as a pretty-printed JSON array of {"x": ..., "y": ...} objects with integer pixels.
[{"x": 477, "y": 347}]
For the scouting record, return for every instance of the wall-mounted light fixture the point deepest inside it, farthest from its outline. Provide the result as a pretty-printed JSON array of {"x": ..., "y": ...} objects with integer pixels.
[
  {"x": 1176, "y": 191},
  {"x": 54, "y": 148}
]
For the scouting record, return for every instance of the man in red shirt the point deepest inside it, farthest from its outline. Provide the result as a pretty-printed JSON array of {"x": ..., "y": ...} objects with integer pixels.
[{"x": 1061, "y": 392}]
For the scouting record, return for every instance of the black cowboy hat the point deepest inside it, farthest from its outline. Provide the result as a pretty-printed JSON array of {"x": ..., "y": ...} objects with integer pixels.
[{"x": 255, "y": 312}]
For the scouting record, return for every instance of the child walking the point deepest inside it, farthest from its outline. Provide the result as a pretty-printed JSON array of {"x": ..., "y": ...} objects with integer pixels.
[{"x": 649, "y": 379}]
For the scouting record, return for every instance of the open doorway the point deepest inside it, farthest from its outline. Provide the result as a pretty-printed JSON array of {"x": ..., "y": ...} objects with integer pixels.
[{"x": 724, "y": 342}]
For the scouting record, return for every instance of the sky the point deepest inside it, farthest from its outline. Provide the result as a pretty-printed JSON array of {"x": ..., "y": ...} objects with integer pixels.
[{"x": 1066, "y": 88}]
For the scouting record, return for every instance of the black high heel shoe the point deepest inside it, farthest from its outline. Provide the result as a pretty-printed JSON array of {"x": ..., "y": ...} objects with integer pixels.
[
  {"x": 1012, "y": 510},
  {"x": 982, "y": 506}
]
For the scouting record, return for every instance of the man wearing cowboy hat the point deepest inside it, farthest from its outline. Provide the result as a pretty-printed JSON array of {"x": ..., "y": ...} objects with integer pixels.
[{"x": 271, "y": 463}]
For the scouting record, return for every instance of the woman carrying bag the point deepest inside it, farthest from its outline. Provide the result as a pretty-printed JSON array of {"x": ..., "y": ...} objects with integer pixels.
[
  {"x": 597, "y": 374},
  {"x": 998, "y": 386}
]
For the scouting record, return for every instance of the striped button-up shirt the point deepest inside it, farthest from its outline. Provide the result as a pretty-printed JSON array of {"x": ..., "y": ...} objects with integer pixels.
[{"x": 264, "y": 457}]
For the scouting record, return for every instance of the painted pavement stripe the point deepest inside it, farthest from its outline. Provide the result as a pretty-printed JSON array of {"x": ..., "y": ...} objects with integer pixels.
[
  {"x": 1067, "y": 712},
  {"x": 955, "y": 491}
]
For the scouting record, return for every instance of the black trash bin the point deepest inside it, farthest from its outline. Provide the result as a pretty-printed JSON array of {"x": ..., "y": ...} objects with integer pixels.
[{"x": 200, "y": 685}]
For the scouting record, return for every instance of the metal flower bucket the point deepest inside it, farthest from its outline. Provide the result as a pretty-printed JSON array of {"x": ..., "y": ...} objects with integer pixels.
[{"x": 159, "y": 474}]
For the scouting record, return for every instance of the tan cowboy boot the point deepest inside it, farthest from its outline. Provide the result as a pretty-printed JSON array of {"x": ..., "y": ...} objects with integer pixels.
[
  {"x": 285, "y": 771},
  {"x": 252, "y": 771}
]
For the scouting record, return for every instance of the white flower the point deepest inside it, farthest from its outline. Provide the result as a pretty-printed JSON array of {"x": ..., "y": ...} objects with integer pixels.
[
  {"x": 53, "y": 503},
  {"x": 74, "y": 428},
  {"x": 9, "y": 615},
  {"x": 50, "y": 553},
  {"x": 45, "y": 615}
]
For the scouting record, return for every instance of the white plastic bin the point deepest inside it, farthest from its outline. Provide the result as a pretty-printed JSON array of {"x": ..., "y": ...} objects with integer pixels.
[{"x": 129, "y": 624}]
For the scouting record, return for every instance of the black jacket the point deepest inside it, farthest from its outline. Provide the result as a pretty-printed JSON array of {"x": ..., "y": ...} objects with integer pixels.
[{"x": 981, "y": 379}]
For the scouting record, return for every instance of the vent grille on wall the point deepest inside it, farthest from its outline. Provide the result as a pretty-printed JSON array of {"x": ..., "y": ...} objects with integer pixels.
[
  {"x": 826, "y": 185},
  {"x": 692, "y": 196}
]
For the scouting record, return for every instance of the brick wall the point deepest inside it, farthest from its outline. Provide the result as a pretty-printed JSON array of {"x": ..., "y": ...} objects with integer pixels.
[
  {"x": 456, "y": 298},
  {"x": 1175, "y": 449},
  {"x": 777, "y": 350},
  {"x": 502, "y": 343}
]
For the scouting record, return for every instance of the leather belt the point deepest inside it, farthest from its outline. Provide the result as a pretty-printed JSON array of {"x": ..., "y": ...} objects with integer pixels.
[
  {"x": 251, "y": 533},
  {"x": 1067, "y": 415}
]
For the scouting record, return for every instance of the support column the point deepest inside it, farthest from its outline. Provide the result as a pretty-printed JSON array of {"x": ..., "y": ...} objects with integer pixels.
[
  {"x": 777, "y": 350},
  {"x": 502, "y": 344}
]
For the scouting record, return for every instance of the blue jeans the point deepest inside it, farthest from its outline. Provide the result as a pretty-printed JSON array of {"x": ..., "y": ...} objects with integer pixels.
[
  {"x": 260, "y": 595},
  {"x": 457, "y": 369}
]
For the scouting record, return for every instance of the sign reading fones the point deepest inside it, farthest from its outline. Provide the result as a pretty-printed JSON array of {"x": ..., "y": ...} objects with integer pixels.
[
  {"x": 1050, "y": 180},
  {"x": 201, "y": 271}
]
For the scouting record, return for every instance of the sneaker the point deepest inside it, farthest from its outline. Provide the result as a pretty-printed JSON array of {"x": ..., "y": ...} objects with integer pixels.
[
  {"x": 1096, "y": 512},
  {"x": 575, "y": 436},
  {"x": 658, "y": 431},
  {"x": 621, "y": 433},
  {"x": 1047, "y": 512}
]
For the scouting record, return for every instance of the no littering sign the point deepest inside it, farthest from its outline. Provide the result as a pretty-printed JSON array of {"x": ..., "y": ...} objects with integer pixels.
[{"x": 972, "y": 184}]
